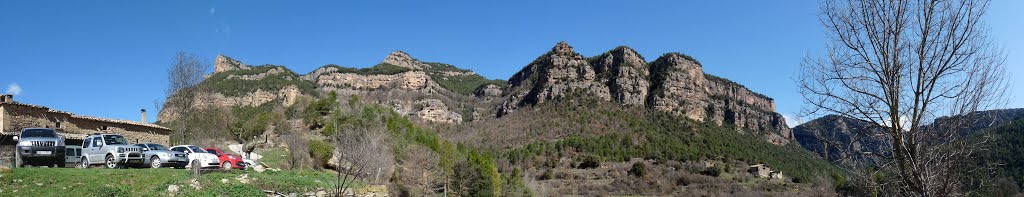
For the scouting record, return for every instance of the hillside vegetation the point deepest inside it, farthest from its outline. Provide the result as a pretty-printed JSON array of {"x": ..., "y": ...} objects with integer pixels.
[
  {"x": 1004, "y": 159},
  {"x": 223, "y": 82}
]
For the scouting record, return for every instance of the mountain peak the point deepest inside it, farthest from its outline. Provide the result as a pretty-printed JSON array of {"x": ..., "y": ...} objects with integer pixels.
[
  {"x": 224, "y": 63},
  {"x": 562, "y": 48},
  {"x": 402, "y": 59}
]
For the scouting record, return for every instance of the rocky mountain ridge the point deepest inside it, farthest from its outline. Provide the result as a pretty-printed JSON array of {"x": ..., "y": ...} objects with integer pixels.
[
  {"x": 673, "y": 83},
  {"x": 437, "y": 92},
  {"x": 844, "y": 140}
]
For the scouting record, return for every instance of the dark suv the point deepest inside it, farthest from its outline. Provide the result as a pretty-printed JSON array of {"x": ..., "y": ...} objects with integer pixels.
[{"x": 39, "y": 147}]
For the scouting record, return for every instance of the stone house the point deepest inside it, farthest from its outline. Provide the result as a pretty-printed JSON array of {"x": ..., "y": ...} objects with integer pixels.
[
  {"x": 765, "y": 172},
  {"x": 760, "y": 170},
  {"x": 15, "y": 116}
]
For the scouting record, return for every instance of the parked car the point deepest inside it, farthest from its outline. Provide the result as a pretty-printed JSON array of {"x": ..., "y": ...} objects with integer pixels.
[
  {"x": 39, "y": 147},
  {"x": 72, "y": 154},
  {"x": 198, "y": 156},
  {"x": 158, "y": 156},
  {"x": 111, "y": 150},
  {"x": 228, "y": 161},
  {"x": 249, "y": 163}
]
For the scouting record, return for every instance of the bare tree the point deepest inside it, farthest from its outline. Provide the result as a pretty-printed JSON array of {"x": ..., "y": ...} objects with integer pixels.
[
  {"x": 363, "y": 147},
  {"x": 187, "y": 71},
  {"x": 900, "y": 64}
]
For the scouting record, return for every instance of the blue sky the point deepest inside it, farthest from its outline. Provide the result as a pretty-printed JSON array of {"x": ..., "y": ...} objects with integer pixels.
[{"x": 109, "y": 58}]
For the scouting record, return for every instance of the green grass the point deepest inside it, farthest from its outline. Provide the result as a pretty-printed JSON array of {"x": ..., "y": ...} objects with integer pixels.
[
  {"x": 154, "y": 182},
  {"x": 274, "y": 157}
]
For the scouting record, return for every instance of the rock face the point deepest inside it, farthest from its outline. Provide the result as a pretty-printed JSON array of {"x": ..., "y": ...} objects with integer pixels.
[
  {"x": 673, "y": 83},
  {"x": 842, "y": 140},
  {"x": 224, "y": 63},
  {"x": 414, "y": 80},
  {"x": 287, "y": 97},
  {"x": 260, "y": 76},
  {"x": 488, "y": 92},
  {"x": 402, "y": 59},
  {"x": 556, "y": 74},
  {"x": 625, "y": 73},
  {"x": 435, "y": 110}
]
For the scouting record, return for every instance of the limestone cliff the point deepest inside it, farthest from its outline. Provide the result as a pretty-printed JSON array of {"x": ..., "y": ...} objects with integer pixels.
[
  {"x": 404, "y": 60},
  {"x": 225, "y": 63},
  {"x": 673, "y": 83},
  {"x": 556, "y": 74},
  {"x": 400, "y": 81}
]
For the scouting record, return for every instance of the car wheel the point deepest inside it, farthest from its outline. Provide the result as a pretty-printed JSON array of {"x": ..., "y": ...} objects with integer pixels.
[
  {"x": 226, "y": 166},
  {"x": 83, "y": 164},
  {"x": 155, "y": 162},
  {"x": 111, "y": 163}
]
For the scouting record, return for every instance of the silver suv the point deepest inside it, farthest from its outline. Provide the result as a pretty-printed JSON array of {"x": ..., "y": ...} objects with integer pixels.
[
  {"x": 111, "y": 150},
  {"x": 39, "y": 146}
]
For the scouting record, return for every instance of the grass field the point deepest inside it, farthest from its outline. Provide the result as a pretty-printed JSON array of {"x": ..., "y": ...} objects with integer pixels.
[{"x": 155, "y": 182}]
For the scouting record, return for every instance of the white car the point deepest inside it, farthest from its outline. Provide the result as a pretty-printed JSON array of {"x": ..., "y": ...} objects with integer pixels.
[{"x": 197, "y": 155}]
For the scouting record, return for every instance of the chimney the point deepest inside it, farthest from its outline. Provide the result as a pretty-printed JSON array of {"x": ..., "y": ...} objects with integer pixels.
[
  {"x": 6, "y": 98},
  {"x": 143, "y": 116}
]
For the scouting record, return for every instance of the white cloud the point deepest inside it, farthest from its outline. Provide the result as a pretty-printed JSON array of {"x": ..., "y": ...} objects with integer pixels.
[
  {"x": 14, "y": 89},
  {"x": 213, "y": 11}
]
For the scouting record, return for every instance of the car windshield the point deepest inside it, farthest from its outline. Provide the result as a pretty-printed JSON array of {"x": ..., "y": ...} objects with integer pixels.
[
  {"x": 214, "y": 152},
  {"x": 114, "y": 140},
  {"x": 38, "y": 133},
  {"x": 156, "y": 147},
  {"x": 196, "y": 149}
]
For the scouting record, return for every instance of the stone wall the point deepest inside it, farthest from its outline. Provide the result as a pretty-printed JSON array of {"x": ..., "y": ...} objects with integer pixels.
[{"x": 17, "y": 116}]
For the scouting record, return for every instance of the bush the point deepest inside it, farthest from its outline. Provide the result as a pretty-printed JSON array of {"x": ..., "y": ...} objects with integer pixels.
[
  {"x": 548, "y": 174},
  {"x": 320, "y": 151},
  {"x": 589, "y": 161},
  {"x": 712, "y": 171},
  {"x": 639, "y": 169},
  {"x": 315, "y": 111}
]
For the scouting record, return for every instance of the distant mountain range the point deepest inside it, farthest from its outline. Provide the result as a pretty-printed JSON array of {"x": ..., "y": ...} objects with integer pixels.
[{"x": 845, "y": 140}]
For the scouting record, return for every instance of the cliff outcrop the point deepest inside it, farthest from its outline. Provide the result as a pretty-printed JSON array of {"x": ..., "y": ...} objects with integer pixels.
[{"x": 674, "y": 83}]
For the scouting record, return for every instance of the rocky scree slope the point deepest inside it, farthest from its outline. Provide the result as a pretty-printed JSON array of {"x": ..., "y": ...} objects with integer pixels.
[{"x": 673, "y": 83}]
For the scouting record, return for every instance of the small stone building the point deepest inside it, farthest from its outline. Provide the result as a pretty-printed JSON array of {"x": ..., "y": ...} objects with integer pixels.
[
  {"x": 15, "y": 116},
  {"x": 760, "y": 170},
  {"x": 765, "y": 172}
]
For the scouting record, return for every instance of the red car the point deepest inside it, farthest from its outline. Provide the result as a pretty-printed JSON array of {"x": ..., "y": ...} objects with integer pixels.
[{"x": 229, "y": 160}]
